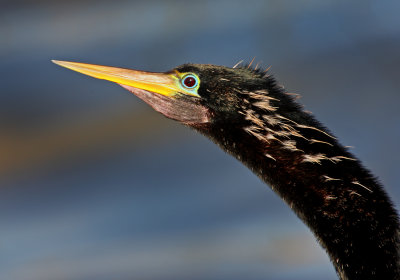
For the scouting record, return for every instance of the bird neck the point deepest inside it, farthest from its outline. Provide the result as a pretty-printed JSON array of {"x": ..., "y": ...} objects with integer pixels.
[{"x": 342, "y": 203}]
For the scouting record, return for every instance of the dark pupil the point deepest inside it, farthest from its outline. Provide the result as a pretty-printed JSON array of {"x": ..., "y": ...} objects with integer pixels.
[{"x": 189, "y": 82}]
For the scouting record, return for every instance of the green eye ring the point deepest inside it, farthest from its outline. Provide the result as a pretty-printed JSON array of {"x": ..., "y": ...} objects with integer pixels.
[{"x": 188, "y": 83}]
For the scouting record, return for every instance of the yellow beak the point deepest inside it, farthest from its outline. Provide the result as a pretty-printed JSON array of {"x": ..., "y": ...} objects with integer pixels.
[{"x": 166, "y": 84}]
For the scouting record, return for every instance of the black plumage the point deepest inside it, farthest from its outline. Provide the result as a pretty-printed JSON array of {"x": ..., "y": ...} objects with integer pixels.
[
  {"x": 249, "y": 116},
  {"x": 343, "y": 204}
]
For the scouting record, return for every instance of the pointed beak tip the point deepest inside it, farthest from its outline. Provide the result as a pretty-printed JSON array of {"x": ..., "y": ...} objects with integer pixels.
[{"x": 59, "y": 62}]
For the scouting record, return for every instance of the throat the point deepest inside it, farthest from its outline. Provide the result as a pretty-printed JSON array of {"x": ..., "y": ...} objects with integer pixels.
[{"x": 341, "y": 202}]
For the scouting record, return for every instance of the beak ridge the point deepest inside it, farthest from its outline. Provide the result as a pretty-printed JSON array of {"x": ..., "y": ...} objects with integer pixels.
[{"x": 162, "y": 83}]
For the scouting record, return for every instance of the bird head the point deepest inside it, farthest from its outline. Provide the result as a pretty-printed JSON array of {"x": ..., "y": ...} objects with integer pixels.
[{"x": 194, "y": 94}]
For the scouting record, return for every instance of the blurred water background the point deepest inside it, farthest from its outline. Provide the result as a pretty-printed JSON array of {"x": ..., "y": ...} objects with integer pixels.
[{"x": 96, "y": 185}]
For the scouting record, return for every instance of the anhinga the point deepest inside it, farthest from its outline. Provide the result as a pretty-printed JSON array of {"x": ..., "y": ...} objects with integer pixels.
[{"x": 244, "y": 112}]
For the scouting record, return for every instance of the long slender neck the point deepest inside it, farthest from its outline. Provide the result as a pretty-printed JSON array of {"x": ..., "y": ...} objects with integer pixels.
[{"x": 343, "y": 204}]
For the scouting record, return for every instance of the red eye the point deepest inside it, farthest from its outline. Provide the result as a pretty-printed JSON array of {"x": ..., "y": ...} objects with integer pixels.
[{"x": 190, "y": 81}]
